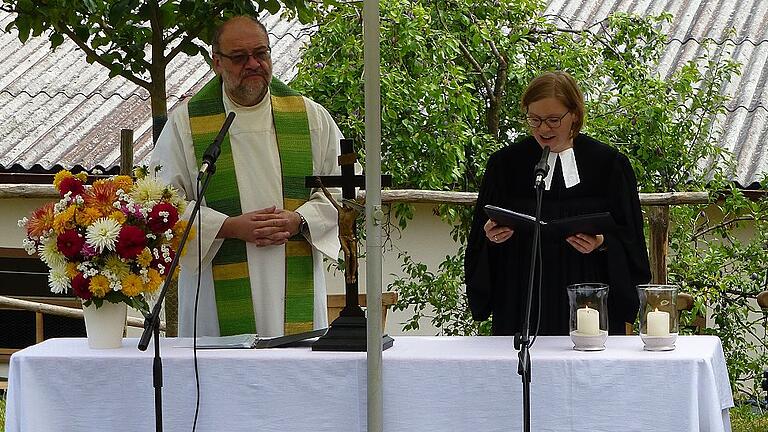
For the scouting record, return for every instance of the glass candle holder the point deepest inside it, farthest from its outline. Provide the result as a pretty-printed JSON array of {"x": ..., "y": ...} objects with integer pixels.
[
  {"x": 589, "y": 315},
  {"x": 658, "y": 316}
]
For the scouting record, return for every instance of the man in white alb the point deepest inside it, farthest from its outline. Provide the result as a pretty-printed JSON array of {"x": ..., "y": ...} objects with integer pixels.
[{"x": 263, "y": 233}]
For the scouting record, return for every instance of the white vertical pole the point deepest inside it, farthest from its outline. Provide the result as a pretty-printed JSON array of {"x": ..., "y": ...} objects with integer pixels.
[{"x": 373, "y": 214}]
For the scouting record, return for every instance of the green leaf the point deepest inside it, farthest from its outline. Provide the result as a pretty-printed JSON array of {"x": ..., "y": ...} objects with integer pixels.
[{"x": 56, "y": 40}]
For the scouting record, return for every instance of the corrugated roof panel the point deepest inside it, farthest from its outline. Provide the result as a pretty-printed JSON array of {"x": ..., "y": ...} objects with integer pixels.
[{"x": 55, "y": 108}]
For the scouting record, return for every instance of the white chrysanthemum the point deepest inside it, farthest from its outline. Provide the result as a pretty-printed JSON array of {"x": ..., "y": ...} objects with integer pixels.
[
  {"x": 49, "y": 252},
  {"x": 58, "y": 279},
  {"x": 102, "y": 234},
  {"x": 147, "y": 189},
  {"x": 23, "y": 222}
]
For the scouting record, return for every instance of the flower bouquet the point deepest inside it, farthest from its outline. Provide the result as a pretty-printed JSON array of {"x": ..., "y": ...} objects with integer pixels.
[{"x": 112, "y": 241}]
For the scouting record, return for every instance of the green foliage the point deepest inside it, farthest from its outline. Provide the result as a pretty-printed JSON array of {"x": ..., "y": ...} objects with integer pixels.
[
  {"x": 437, "y": 297},
  {"x": 745, "y": 419},
  {"x": 725, "y": 271},
  {"x": 138, "y": 302},
  {"x": 452, "y": 76}
]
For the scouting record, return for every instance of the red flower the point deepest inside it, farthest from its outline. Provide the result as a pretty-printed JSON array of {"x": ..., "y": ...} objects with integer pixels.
[
  {"x": 80, "y": 286},
  {"x": 160, "y": 223},
  {"x": 130, "y": 242},
  {"x": 71, "y": 184},
  {"x": 70, "y": 243}
]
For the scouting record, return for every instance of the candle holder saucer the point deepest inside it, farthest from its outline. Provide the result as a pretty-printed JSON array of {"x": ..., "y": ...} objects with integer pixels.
[
  {"x": 659, "y": 343},
  {"x": 582, "y": 342}
]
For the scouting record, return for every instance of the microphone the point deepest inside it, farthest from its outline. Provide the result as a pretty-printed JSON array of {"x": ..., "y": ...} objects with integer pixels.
[
  {"x": 213, "y": 150},
  {"x": 542, "y": 168}
]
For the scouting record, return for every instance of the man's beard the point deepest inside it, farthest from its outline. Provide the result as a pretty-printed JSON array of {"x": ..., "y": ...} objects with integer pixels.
[{"x": 247, "y": 92}]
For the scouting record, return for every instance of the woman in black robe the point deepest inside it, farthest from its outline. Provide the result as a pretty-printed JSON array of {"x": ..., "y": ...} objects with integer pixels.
[{"x": 586, "y": 176}]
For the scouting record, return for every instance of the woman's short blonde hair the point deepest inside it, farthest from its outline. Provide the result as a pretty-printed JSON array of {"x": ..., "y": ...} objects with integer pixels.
[{"x": 561, "y": 86}]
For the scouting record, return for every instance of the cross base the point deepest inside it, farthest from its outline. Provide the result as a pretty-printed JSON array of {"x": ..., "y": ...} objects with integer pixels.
[{"x": 348, "y": 333}]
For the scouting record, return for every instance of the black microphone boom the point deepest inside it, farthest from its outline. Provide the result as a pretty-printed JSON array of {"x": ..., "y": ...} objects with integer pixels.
[
  {"x": 212, "y": 152},
  {"x": 542, "y": 168}
]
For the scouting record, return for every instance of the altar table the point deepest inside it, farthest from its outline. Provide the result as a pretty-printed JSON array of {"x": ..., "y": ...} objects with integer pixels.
[{"x": 438, "y": 384}]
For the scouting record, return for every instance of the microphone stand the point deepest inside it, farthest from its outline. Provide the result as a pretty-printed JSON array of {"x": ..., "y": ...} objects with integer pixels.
[
  {"x": 152, "y": 320},
  {"x": 522, "y": 342}
]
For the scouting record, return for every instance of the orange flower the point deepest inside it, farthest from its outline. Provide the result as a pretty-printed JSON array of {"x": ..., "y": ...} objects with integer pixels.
[
  {"x": 64, "y": 220},
  {"x": 87, "y": 216},
  {"x": 123, "y": 182},
  {"x": 101, "y": 196},
  {"x": 41, "y": 221}
]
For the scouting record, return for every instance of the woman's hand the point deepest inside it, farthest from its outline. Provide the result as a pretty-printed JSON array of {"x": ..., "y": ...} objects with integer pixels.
[
  {"x": 585, "y": 243},
  {"x": 497, "y": 233}
]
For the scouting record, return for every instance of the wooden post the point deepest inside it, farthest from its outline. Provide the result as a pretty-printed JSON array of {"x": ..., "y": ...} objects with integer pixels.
[
  {"x": 126, "y": 151},
  {"x": 39, "y": 333},
  {"x": 658, "y": 221}
]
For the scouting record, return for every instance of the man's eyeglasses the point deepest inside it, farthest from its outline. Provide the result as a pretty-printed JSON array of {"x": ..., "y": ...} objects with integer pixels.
[
  {"x": 240, "y": 59},
  {"x": 552, "y": 122}
]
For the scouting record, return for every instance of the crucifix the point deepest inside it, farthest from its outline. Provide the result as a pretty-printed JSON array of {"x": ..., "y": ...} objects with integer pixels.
[{"x": 347, "y": 333}]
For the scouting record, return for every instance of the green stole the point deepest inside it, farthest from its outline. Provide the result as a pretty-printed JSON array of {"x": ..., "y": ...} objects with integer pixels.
[{"x": 232, "y": 284}]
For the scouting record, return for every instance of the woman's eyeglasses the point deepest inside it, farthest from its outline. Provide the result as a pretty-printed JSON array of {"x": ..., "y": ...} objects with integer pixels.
[{"x": 552, "y": 122}]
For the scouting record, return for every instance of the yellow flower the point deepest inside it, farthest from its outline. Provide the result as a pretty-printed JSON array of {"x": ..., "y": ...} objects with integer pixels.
[
  {"x": 72, "y": 269},
  {"x": 123, "y": 182},
  {"x": 132, "y": 285},
  {"x": 178, "y": 231},
  {"x": 155, "y": 281},
  {"x": 99, "y": 285},
  {"x": 64, "y": 220},
  {"x": 82, "y": 176},
  {"x": 144, "y": 258},
  {"x": 87, "y": 216},
  {"x": 115, "y": 265},
  {"x": 61, "y": 175},
  {"x": 118, "y": 216}
]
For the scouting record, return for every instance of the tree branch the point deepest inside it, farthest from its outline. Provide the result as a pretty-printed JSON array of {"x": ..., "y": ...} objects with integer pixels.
[
  {"x": 494, "y": 108},
  {"x": 475, "y": 65},
  {"x": 98, "y": 59},
  {"x": 721, "y": 225}
]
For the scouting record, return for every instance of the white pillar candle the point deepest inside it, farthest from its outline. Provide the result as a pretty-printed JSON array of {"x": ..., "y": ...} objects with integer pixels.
[
  {"x": 588, "y": 321},
  {"x": 658, "y": 323}
]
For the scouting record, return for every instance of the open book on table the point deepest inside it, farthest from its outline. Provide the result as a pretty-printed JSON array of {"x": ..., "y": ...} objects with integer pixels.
[
  {"x": 249, "y": 341},
  {"x": 592, "y": 223}
]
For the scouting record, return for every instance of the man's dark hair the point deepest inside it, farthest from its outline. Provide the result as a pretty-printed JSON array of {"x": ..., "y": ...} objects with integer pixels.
[{"x": 220, "y": 29}]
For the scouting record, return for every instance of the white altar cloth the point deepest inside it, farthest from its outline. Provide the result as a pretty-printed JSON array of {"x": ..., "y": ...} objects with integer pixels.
[{"x": 430, "y": 384}]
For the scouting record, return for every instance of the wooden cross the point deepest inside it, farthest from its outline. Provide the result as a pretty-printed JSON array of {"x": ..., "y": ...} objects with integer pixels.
[{"x": 348, "y": 212}]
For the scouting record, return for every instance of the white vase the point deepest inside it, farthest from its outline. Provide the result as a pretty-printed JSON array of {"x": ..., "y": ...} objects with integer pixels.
[{"x": 105, "y": 326}]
